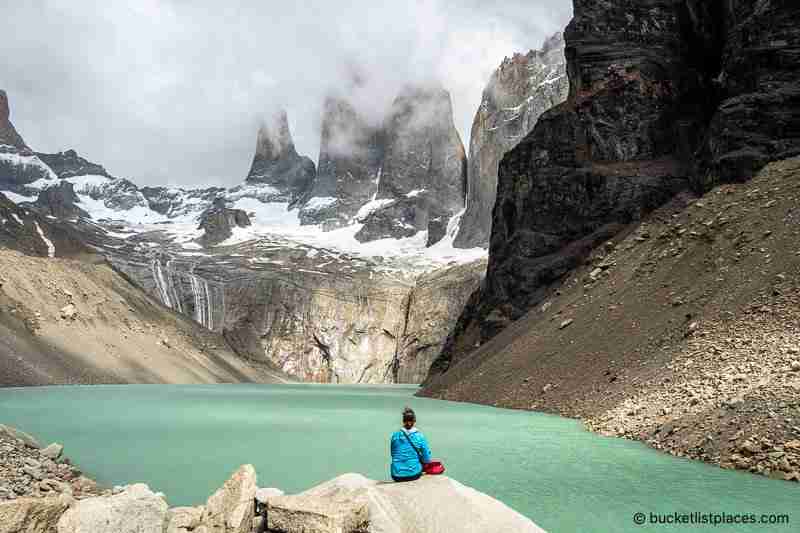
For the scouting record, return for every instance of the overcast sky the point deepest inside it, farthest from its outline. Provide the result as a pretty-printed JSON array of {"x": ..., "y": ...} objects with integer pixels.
[{"x": 170, "y": 92}]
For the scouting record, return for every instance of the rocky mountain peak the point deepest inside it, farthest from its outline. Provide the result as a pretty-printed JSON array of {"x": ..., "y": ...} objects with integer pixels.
[
  {"x": 522, "y": 88},
  {"x": 274, "y": 138},
  {"x": 277, "y": 164},
  {"x": 8, "y": 134}
]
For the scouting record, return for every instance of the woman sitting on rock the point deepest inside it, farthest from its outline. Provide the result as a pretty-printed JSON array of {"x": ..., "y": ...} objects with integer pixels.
[{"x": 409, "y": 449}]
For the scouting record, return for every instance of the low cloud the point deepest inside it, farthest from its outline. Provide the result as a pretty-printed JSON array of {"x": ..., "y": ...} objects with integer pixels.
[{"x": 173, "y": 92}]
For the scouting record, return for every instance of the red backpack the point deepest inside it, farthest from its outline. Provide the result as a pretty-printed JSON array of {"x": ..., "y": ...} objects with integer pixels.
[{"x": 432, "y": 468}]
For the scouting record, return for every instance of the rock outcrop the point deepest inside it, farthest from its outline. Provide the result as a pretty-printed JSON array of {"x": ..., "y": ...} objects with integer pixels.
[
  {"x": 69, "y": 164},
  {"x": 643, "y": 101},
  {"x": 520, "y": 90},
  {"x": 277, "y": 164},
  {"x": 218, "y": 222},
  {"x": 422, "y": 173},
  {"x": 398, "y": 178},
  {"x": 352, "y": 503},
  {"x": 59, "y": 201}
]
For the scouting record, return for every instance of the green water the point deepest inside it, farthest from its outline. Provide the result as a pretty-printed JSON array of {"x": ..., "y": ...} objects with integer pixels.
[{"x": 186, "y": 440}]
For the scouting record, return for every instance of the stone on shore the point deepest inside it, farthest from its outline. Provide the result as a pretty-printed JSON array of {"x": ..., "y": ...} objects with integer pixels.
[
  {"x": 53, "y": 451},
  {"x": 183, "y": 519},
  {"x": 31, "y": 515},
  {"x": 434, "y": 504},
  {"x": 135, "y": 510},
  {"x": 231, "y": 508}
]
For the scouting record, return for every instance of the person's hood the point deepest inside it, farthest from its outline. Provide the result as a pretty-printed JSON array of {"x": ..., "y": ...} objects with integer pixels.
[{"x": 412, "y": 430}]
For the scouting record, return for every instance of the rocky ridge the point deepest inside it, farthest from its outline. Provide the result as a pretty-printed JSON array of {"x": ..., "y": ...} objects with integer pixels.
[{"x": 521, "y": 89}]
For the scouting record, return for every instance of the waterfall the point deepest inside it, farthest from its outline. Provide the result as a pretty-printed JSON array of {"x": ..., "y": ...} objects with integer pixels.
[
  {"x": 161, "y": 283},
  {"x": 170, "y": 292},
  {"x": 203, "y": 310}
]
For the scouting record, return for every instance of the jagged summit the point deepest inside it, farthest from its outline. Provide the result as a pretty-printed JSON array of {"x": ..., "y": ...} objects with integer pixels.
[
  {"x": 400, "y": 178},
  {"x": 522, "y": 88},
  {"x": 69, "y": 164},
  {"x": 8, "y": 134},
  {"x": 276, "y": 162}
]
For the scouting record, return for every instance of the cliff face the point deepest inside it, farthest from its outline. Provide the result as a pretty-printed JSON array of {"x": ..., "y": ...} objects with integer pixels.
[
  {"x": 398, "y": 178},
  {"x": 309, "y": 312},
  {"x": 520, "y": 90},
  {"x": 277, "y": 164},
  {"x": 661, "y": 99}
]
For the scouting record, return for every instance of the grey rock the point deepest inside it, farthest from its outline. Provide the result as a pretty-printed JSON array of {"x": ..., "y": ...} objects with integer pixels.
[
  {"x": 433, "y": 503},
  {"x": 520, "y": 90},
  {"x": 218, "y": 222},
  {"x": 183, "y": 519},
  {"x": 231, "y": 508},
  {"x": 53, "y": 451},
  {"x": 69, "y": 164},
  {"x": 31, "y": 515},
  {"x": 59, "y": 201},
  {"x": 276, "y": 162},
  {"x": 135, "y": 510}
]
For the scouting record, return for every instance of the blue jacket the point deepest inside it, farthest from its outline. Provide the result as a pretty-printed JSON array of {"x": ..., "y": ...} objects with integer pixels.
[{"x": 405, "y": 461}]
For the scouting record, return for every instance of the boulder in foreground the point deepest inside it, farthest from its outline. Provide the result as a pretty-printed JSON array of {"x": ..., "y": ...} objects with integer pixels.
[{"x": 433, "y": 504}]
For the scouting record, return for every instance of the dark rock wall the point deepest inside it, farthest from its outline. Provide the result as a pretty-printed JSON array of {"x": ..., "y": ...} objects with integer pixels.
[{"x": 664, "y": 95}]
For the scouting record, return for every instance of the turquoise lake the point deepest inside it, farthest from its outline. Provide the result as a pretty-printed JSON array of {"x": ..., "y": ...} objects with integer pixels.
[{"x": 186, "y": 440}]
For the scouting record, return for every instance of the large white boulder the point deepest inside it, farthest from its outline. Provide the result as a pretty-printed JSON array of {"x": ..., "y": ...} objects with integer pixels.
[
  {"x": 432, "y": 504},
  {"x": 231, "y": 508},
  {"x": 135, "y": 510}
]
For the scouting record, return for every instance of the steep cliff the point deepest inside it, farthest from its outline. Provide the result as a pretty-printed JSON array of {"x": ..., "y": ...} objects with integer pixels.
[
  {"x": 661, "y": 100},
  {"x": 520, "y": 90},
  {"x": 277, "y": 164}
]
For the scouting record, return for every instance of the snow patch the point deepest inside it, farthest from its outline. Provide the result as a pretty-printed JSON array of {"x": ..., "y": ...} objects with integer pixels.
[
  {"x": 319, "y": 202},
  {"x": 51, "y": 249},
  {"x": 18, "y": 198},
  {"x": 372, "y": 206}
]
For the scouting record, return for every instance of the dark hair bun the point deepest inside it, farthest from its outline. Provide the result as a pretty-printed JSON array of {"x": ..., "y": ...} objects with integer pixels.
[{"x": 408, "y": 414}]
